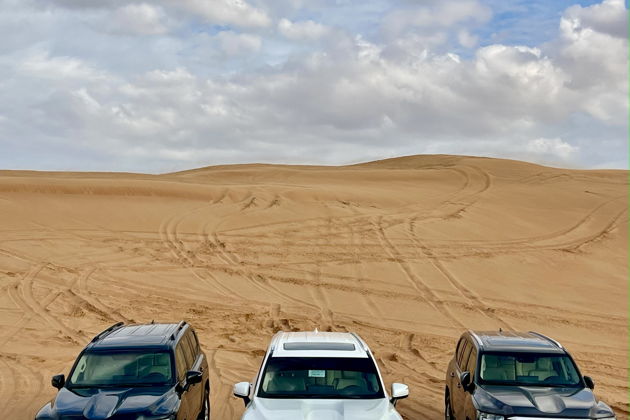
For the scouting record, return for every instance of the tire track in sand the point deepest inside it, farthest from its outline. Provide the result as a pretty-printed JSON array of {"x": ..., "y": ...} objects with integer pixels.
[
  {"x": 478, "y": 304},
  {"x": 573, "y": 236},
  {"x": 258, "y": 280},
  {"x": 8, "y": 387},
  {"x": 416, "y": 282},
  {"x": 222, "y": 394},
  {"x": 92, "y": 301},
  {"x": 22, "y": 380},
  {"x": 22, "y": 295},
  {"x": 168, "y": 235},
  {"x": 372, "y": 308}
]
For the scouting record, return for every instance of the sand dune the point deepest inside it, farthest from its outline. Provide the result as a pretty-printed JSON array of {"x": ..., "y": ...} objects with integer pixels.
[{"x": 407, "y": 252}]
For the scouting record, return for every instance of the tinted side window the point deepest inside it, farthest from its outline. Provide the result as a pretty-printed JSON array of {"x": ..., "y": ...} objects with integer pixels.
[
  {"x": 180, "y": 362},
  {"x": 195, "y": 341},
  {"x": 192, "y": 347},
  {"x": 471, "y": 366},
  {"x": 466, "y": 353},
  {"x": 188, "y": 355},
  {"x": 458, "y": 352},
  {"x": 461, "y": 349}
]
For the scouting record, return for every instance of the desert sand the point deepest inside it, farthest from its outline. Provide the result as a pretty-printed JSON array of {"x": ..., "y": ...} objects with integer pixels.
[{"x": 407, "y": 252}]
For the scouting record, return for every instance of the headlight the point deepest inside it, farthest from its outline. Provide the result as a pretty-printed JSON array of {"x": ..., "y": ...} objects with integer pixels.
[{"x": 487, "y": 416}]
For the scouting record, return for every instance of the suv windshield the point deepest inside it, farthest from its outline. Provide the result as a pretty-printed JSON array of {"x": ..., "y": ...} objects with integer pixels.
[
  {"x": 121, "y": 368},
  {"x": 528, "y": 370},
  {"x": 320, "y": 377}
]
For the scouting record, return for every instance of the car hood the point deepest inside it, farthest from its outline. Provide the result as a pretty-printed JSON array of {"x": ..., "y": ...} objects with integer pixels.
[
  {"x": 540, "y": 401},
  {"x": 109, "y": 403},
  {"x": 314, "y": 409}
]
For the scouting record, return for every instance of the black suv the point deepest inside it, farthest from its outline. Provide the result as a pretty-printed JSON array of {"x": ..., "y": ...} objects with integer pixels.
[
  {"x": 151, "y": 371},
  {"x": 522, "y": 376}
]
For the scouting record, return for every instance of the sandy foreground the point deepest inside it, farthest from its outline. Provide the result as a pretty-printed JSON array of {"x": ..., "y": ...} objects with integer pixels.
[{"x": 406, "y": 252}]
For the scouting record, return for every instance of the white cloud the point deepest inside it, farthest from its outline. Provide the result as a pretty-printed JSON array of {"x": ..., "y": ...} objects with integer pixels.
[
  {"x": 305, "y": 30},
  {"x": 239, "y": 89},
  {"x": 530, "y": 78},
  {"x": 608, "y": 17},
  {"x": 466, "y": 39},
  {"x": 231, "y": 12},
  {"x": 141, "y": 18},
  {"x": 233, "y": 43},
  {"x": 554, "y": 148},
  {"x": 434, "y": 16},
  {"x": 593, "y": 50},
  {"x": 41, "y": 65},
  {"x": 239, "y": 13}
]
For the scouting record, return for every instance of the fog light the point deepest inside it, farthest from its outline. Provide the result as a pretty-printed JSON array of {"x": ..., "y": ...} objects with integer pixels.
[{"x": 487, "y": 416}]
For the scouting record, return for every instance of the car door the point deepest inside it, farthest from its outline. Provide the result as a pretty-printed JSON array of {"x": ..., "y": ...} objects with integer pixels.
[
  {"x": 195, "y": 391},
  {"x": 457, "y": 393},
  {"x": 203, "y": 365},
  {"x": 450, "y": 370},
  {"x": 471, "y": 366},
  {"x": 181, "y": 365}
]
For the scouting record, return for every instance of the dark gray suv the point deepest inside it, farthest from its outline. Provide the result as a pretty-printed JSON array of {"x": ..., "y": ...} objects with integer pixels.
[
  {"x": 128, "y": 372},
  {"x": 496, "y": 375}
]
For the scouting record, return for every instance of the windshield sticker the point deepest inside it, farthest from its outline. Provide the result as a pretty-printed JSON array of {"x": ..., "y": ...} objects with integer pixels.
[{"x": 316, "y": 373}]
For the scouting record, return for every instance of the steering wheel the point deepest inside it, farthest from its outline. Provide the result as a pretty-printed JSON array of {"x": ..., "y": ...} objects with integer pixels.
[{"x": 351, "y": 389}]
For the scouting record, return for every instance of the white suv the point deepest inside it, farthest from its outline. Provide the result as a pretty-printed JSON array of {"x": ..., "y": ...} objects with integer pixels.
[{"x": 319, "y": 375}]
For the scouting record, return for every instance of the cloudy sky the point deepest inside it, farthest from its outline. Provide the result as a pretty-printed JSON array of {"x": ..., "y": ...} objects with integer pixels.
[{"x": 162, "y": 85}]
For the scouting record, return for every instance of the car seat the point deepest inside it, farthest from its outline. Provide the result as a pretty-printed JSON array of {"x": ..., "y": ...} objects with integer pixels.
[
  {"x": 349, "y": 379},
  {"x": 286, "y": 384},
  {"x": 544, "y": 369},
  {"x": 494, "y": 370}
]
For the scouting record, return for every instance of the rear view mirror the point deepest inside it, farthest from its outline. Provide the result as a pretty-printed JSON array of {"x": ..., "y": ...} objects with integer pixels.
[
  {"x": 241, "y": 390},
  {"x": 589, "y": 382},
  {"x": 465, "y": 381},
  {"x": 399, "y": 391},
  {"x": 58, "y": 381},
  {"x": 193, "y": 377}
]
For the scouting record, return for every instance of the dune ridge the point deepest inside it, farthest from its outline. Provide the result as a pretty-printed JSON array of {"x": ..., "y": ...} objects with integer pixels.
[{"x": 408, "y": 252}]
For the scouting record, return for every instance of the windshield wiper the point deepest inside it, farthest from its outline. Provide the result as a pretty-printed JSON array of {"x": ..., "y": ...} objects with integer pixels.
[
  {"x": 319, "y": 396},
  {"x": 532, "y": 385},
  {"x": 142, "y": 384},
  {"x": 114, "y": 385}
]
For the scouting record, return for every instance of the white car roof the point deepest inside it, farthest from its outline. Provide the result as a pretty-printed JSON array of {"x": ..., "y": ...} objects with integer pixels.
[{"x": 318, "y": 344}]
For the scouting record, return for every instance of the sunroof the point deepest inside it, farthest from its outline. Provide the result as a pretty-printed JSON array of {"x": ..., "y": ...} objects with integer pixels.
[
  {"x": 513, "y": 341},
  {"x": 319, "y": 346}
]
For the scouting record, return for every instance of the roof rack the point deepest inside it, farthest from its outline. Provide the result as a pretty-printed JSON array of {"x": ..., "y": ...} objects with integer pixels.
[
  {"x": 274, "y": 341},
  {"x": 178, "y": 329},
  {"x": 360, "y": 341},
  {"x": 544, "y": 337},
  {"x": 107, "y": 331},
  {"x": 476, "y": 337}
]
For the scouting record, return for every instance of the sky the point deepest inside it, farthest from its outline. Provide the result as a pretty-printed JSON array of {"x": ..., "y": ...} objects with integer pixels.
[{"x": 164, "y": 85}]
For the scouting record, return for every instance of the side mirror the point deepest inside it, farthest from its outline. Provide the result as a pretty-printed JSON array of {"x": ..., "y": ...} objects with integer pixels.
[
  {"x": 241, "y": 390},
  {"x": 399, "y": 391},
  {"x": 465, "y": 381},
  {"x": 58, "y": 381},
  {"x": 193, "y": 377},
  {"x": 589, "y": 382}
]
